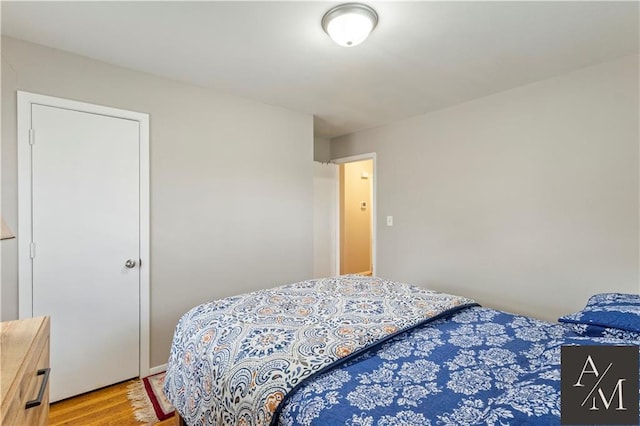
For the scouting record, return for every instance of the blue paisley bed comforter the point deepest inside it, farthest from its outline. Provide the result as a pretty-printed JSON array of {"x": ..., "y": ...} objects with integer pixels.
[{"x": 333, "y": 352}]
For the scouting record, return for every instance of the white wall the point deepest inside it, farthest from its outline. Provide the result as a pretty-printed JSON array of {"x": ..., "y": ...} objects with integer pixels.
[
  {"x": 231, "y": 181},
  {"x": 526, "y": 200},
  {"x": 325, "y": 215}
]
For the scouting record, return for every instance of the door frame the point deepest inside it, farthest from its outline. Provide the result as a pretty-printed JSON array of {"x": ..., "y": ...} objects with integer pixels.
[
  {"x": 25, "y": 277},
  {"x": 374, "y": 208}
]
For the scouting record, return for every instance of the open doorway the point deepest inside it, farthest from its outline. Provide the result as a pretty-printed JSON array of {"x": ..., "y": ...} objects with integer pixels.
[{"x": 356, "y": 215}]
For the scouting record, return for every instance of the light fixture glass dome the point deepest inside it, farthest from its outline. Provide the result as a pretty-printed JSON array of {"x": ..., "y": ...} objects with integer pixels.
[{"x": 349, "y": 24}]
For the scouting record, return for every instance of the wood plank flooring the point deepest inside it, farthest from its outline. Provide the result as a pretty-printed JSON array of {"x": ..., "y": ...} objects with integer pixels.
[{"x": 104, "y": 407}]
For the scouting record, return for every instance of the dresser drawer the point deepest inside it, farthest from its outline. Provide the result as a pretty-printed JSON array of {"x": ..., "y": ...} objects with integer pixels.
[{"x": 25, "y": 354}]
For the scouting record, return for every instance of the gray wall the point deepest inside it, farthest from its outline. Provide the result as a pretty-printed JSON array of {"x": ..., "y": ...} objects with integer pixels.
[
  {"x": 526, "y": 200},
  {"x": 325, "y": 219},
  {"x": 228, "y": 214},
  {"x": 321, "y": 150}
]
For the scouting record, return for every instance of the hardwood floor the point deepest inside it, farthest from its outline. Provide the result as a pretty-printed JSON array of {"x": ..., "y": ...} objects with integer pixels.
[{"x": 104, "y": 407}]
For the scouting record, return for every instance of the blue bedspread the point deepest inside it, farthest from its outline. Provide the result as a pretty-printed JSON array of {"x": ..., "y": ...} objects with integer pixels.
[{"x": 479, "y": 366}]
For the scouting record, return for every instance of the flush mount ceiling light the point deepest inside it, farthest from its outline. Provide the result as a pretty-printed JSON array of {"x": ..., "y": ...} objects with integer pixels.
[{"x": 349, "y": 24}]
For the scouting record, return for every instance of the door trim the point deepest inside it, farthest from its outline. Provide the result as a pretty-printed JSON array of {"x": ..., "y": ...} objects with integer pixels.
[
  {"x": 25, "y": 293},
  {"x": 374, "y": 201}
]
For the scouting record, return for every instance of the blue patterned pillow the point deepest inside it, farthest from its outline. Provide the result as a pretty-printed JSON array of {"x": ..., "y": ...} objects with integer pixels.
[
  {"x": 610, "y": 310},
  {"x": 597, "y": 331}
]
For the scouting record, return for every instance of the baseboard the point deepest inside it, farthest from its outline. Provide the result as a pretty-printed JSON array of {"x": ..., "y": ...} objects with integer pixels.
[{"x": 158, "y": 369}]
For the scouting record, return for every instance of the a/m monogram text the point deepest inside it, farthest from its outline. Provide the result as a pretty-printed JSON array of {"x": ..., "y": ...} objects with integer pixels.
[{"x": 590, "y": 368}]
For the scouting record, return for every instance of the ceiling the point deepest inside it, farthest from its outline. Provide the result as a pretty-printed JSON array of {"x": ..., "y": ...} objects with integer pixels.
[{"x": 421, "y": 57}]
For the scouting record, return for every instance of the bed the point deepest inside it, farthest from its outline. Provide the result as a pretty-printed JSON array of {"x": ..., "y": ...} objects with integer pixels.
[{"x": 365, "y": 351}]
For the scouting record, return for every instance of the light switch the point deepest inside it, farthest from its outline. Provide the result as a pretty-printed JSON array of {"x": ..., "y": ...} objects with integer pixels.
[{"x": 389, "y": 220}]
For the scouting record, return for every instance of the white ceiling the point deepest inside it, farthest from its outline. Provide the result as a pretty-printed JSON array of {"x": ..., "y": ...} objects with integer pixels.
[{"x": 422, "y": 56}]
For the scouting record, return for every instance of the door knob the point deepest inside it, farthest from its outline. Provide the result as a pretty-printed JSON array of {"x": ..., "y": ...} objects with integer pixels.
[{"x": 130, "y": 263}]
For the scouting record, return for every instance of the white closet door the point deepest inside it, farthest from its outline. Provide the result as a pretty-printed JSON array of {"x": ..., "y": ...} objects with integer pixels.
[{"x": 85, "y": 226}]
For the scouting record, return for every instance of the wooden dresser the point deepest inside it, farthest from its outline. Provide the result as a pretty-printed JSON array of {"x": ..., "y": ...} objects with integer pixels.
[{"x": 24, "y": 372}]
